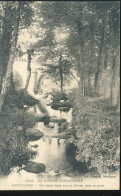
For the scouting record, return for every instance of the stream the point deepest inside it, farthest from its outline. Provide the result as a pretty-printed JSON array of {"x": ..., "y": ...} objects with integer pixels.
[{"x": 51, "y": 151}]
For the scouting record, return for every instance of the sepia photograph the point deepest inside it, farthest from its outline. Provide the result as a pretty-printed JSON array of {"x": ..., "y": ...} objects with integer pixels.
[{"x": 59, "y": 95}]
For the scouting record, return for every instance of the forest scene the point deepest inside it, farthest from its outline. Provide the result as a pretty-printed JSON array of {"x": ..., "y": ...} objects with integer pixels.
[{"x": 59, "y": 88}]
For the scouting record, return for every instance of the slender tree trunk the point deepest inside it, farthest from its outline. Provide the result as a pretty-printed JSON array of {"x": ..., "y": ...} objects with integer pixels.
[
  {"x": 89, "y": 84},
  {"x": 79, "y": 83},
  {"x": 118, "y": 101},
  {"x": 29, "y": 52},
  {"x": 35, "y": 83},
  {"x": 79, "y": 51},
  {"x": 79, "y": 70},
  {"x": 115, "y": 78},
  {"x": 61, "y": 73},
  {"x": 6, "y": 81},
  {"x": 106, "y": 59},
  {"x": 113, "y": 87},
  {"x": 115, "y": 84},
  {"x": 100, "y": 58}
]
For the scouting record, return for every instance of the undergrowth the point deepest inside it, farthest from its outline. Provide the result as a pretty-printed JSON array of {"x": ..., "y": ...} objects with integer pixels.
[
  {"x": 97, "y": 129},
  {"x": 13, "y": 145}
]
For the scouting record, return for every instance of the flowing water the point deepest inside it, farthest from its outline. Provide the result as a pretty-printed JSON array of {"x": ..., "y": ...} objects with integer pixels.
[{"x": 50, "y": 151}]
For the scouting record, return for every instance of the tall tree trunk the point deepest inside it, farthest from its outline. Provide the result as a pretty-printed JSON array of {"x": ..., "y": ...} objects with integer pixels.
[
  {"x": 5, "y": 45},
  {"x": 12, "y": 86},
  {"x": 106, "y": 59},
  {"x": 118, "y": 101},
  {"x": 29, "y": 52},
  {"x": 35, "y": 83},
  {"x": 80, "y": 46},
  {"x": 115, "y": 84},
  {"x": 100, "y": 58},
  {"x": 61, "y": 73},
  {"x": 89, "y": 84},
  {"x": 115, "y": 78},
  {"x": 79, "y": 70},
  {"x": 6, "y": 81}
]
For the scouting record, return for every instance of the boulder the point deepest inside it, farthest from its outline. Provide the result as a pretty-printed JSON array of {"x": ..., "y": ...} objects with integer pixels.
[
  {"x": 58, "y": 120},
  {"x": 32, "y": 132},
  {"x": 58, "y": 105},
  {"x": 34, "y": 167}
]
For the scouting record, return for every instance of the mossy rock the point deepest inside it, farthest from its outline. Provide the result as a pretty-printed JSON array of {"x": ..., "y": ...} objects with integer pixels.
[
  {"x": 34, "y": 167},
  {"x": 59, "y": 105}
]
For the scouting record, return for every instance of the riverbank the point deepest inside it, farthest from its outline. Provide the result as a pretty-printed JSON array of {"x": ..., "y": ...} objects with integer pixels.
[
  {"x": 97, "y": 129},
  {"x": 14, "y": 120}
]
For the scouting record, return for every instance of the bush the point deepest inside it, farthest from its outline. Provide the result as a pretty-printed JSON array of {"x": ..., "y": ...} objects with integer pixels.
[
  {"x": 13, "y": 149},
  {"x": 13, "y": 146},
  {"x": 58, "y": 96},
  {"x": 19, "y": 98},
  {"x": 15, "y": 116}
]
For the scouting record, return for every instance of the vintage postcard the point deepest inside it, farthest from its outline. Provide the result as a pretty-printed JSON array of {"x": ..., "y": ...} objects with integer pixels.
[{"x": 59, "y": 95}]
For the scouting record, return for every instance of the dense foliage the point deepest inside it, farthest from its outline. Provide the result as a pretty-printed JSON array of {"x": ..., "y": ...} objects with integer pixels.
[
  {"x": 13, "y": 146},
  {"x": 97, "y": 133}
]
